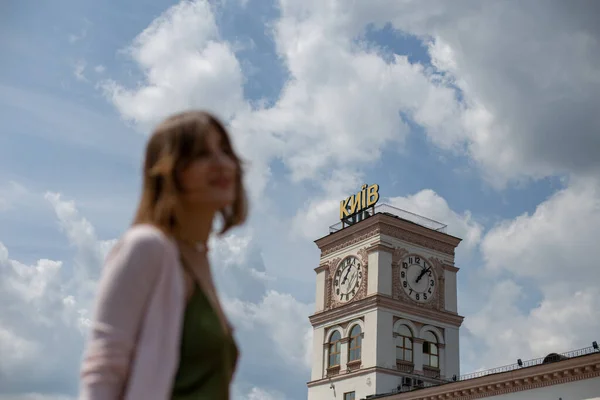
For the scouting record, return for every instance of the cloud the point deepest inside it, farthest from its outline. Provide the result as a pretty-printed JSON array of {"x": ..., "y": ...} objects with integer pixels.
[
  {"x": 42, "y": 332},
  {"x": 431, "y": 205},
  {"x": 545, "y": 266},
  {"x": 284, "y": 318},
  {"x": 555, "y": 241},
  {"x": 90, "y": 251},
  {"x": 261, "y": 394},
  {"x": 185, "y": 65},
  {"x": 504, "y": 97},
  {"x": 312, "y": 220}
]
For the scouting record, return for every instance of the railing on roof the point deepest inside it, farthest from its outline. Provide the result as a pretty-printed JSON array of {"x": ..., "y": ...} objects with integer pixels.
[
  {"x": 398, "y": 213},
  {"x": 552, "y": 357}
]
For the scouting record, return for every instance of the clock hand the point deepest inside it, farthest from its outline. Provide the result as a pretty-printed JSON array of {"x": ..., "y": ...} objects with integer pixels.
[
  {"x": 352, "y": 279},
  {"x": 421, "y": 274},
  {"x": 346, "y": 276}
]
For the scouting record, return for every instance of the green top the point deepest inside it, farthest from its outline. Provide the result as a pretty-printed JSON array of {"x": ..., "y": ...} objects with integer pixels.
[{"x": 208, "y": 354}]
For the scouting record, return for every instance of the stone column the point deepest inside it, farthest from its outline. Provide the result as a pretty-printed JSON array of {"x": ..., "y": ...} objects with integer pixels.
[
  {"x": 442, "y": 359},
  {"x": 344, "y": 354},
  {"x": 418, "y": 355}
]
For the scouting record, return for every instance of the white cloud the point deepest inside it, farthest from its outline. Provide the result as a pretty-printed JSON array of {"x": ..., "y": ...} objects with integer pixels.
[
  {"x": 546, "y": 264},
  {"x": 283, "y": 318},
  {"x": 185, "y": 65},
  {"x": 42, "y": 332},
  {"x": 519, "y": 98},
  {"x": 40, "y": 338},
  {"x": 261, "y": 394},
  {"x": 429, "y": 204},
  {"x": 318, "y": 213},
  {"x": 340, "y": 107},
  {"x": 558, "y": 239}
]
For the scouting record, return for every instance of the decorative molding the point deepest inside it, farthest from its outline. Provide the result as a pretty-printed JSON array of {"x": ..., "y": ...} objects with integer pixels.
[
  {"x": 398, "y": 255},
  {"x": 431, "y": 372},
  {"x": 329, "y": 274},
  {"x": 416, "y": 238},
  {"x": 344, "y": 326},
  {"x": 322, "y": 267},
  {"x": 330, "y": 300},
  {"x": 331, "y": 371},
  {"x": 381, "y": 224},
  {"x": 353, "y": 365},
  {"x": 438, "y": 302},
  {"x": 380, "y": 246},
  {"x": 364, "y": 371},
  {"x": 349, "y": 241},
  {"x": 451, "y": 268},
  {"x": 370, "y": 302},
  {"x": 405, "y": 366},
  {"x": 561, "y": 372}
]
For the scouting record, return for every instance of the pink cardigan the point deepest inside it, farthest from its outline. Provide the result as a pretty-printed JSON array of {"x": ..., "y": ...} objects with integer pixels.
[{"x": 133, "y": 347}]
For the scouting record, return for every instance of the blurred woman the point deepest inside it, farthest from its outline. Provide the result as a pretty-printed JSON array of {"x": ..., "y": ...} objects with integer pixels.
[{"x": 158, "y": 330}]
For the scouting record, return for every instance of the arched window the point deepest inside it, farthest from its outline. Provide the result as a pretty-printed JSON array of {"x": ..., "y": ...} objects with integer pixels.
[
  {"x": 335, "y": 345},
  {"x": 404, "y": 344},
  {"x": 355, "y": 343},
  {"x": 431, "y": 355}
]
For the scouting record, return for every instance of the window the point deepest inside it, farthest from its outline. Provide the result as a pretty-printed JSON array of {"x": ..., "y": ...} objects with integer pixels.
[
  {"x": 349, "y": 396},
  {"x": 334, "y": 349},
  {"x": 430, "y": 351},
  {"x": 355, "y": 343},
  {"x": 404, "y": 344}
]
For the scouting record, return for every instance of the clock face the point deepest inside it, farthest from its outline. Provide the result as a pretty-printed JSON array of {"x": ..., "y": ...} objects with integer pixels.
[
  {"x": 347, "y": 279},
  {"x": 418, "y": 278}
]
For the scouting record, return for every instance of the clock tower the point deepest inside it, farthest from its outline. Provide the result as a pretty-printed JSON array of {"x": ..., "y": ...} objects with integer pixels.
[{"x": 386, "y": 303}]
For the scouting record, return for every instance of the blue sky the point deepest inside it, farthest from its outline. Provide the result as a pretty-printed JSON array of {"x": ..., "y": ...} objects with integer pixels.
[{"x": 449, "y": 108}]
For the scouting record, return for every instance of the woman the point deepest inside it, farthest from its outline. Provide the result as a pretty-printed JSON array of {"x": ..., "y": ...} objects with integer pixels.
[{"x": 159, "y": 331}]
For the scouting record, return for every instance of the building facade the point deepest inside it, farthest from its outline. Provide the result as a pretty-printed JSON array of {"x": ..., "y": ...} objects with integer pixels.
[
  {"x": 386, "y": 323},
  {"x": 386, "y": 308}
]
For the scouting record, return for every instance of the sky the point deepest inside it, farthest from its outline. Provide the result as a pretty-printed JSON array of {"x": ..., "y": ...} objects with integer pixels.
[{"x": 480, "y": 115}]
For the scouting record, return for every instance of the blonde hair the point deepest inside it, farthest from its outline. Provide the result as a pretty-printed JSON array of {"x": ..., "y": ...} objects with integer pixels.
[{"x": 174, "y": 144}]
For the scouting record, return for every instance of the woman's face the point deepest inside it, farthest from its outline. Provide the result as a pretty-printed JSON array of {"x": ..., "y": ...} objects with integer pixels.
[{"x": 209, "y": 181}]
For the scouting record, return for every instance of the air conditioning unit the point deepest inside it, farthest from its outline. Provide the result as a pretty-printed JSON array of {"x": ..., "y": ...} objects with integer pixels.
[{"x": 407, "y": 382}]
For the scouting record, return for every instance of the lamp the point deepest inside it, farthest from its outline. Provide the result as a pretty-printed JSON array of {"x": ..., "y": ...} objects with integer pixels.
[{"x": 520, "y": 362}]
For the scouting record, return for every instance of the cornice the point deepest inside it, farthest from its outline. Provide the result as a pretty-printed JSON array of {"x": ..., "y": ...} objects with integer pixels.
[
  {"x": 365, "y": 371},
  {"x": 381, "y": 224},
  {"x": 381, "y": 301},
  {"x": 322, "y": 267},
  {"x": 450, "y": 268},
  {"x": 380, "y": 246},
  {"x": 556, "y": 373}
]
